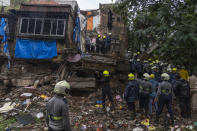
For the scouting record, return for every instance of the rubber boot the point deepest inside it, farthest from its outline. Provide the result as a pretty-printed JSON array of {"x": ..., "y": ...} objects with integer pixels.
[
  {"x": 133, "y": 115},
  {"x": 103, "y": 106},
  {"x": 157, "y": 119},
  {"x": 172, "y": 120}
]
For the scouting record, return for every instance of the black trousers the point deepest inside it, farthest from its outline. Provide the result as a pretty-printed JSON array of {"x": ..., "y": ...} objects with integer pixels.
[
  {"x": 106, "y": 93},
  {"x": 131, "y": 106},
  {"x": 165, "y": 100},
  {"x": 185, "y": 106},
  {"x": 143, "y": 102},
  {"x": 50, "y": 129},
  {"x": 98, "y": 48}
]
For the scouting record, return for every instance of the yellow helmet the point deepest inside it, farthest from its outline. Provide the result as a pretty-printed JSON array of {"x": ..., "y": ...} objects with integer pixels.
[
  {"x": 131, "y": 76},
  {"x": 99, "y": 36},
  {"x": 138, "y": 52},
  {"x": 152, "y": 76},
  {"x": 174, "y": 69},
  {"x": 106, "y": 73},
  {"x": 104, "y": 37}
]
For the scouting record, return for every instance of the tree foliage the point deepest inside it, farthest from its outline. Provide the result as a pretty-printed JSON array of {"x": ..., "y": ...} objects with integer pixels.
[{"x": 172, "y": 24}]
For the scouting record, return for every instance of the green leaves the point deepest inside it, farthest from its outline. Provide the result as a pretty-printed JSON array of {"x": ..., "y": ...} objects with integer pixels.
[{"x": 171, "y": 24}]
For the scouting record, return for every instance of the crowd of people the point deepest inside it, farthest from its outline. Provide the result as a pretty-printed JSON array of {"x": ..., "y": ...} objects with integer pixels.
[
  {"x": 154, "y": 84},
  {"x": 151, "y": 82},
  {"x": 101, "y": 45}
]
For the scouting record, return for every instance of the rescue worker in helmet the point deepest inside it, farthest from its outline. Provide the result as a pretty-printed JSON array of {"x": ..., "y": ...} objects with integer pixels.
[
  {"x": 57, "y": 114},
  {"x": 139, "y": 69},
  {"x": 155, "y": 84},
  {"x": 164, "y": 97},
  {"x": 98, "y": 44},
  {"x": 156, "y": 73},
  {"x": 103, "y": 46},
  {"x": 144, "y": 93},
  {"x": 106, "y": 91},
  {"x": 131, "y": 94},
  {"x": 182, "y": 91},
  {"x": 173, "y": 75}
]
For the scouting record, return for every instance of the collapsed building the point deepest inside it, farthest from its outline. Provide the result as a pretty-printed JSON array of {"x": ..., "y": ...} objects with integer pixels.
[{"x": 45, "y": 43}]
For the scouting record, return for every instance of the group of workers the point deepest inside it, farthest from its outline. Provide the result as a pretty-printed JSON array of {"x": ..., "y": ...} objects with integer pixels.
[
  {"x": 155, "y": 84},
  {"x": 152, "y": 83},
  {"x": 103, "y": 44}
]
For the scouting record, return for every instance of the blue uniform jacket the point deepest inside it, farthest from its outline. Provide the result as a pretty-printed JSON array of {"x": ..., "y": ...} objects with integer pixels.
[
  {"x": 154, "y": 87},
  {"x": 131, "y": 93}
]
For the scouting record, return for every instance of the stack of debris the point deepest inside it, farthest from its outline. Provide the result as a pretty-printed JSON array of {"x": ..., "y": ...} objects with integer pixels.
[{"x": 27, "y": 105}]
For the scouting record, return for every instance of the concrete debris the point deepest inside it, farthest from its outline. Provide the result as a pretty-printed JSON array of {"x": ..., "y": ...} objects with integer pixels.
[
  {"x": 7, "y": 107},
  {"x": 27, "y": 94}
]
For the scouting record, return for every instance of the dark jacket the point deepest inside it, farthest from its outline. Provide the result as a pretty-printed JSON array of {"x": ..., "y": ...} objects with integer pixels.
[
  {"x": 105, "y": 84},
  {"x": 145, "y": 87},
  {"x": 139, "y": 67},
  {"x": 181, "y": 88},
  {"x": 165, "y": 88},
  {"x": 57, "y": 107},
  {"x": 131, "y": 93}
]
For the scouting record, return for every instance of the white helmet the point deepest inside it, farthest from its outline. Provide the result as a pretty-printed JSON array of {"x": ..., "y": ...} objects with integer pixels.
[
  {"x": 165, "y": 77},
  {"x": 146, "y": 76},
  {"x": 62, "y": 87}
]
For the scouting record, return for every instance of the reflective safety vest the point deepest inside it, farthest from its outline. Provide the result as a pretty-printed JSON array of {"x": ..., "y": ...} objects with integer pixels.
[
  {"x": 166, "y": 88},
  {"x": 55, "y": 118}
]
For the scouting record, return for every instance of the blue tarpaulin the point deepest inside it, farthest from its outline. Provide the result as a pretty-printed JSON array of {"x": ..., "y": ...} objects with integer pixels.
[
  {"x": 77, "y": 30},
  {"x": 4, "y": 40},
  {"x": 2, "y": 29},
  {"x": 34, "y": 49}
]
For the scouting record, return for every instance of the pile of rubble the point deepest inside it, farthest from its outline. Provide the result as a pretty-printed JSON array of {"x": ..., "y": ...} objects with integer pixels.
[{"x": 27, "y": 105}]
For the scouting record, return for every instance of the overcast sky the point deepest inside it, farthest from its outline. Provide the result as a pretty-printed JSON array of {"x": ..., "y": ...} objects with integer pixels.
[{"x": 91, "y": 4}]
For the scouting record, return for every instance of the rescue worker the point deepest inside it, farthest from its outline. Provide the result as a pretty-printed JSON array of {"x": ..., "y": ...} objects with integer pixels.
[
  {"x": 132, "y": 66},
  {"x": 106, "y": 91},
  {"x": 156, "y": 73},
  {"x": 164, "y": 97},
  {"x": 103, "y": 46},
  {"x": 173, "y": 75},
  {"x": 98, "y": 44},
  {"x": 153, "y": 94},
  {"x": 182, "y": 91},
  {"x": 144, "y": 93},
  {"x": 57, "y": 114},
  {"x": 184, "y": 73},
  {"x": 108, "y": 46},
  {"x": 131, "y": 94},
  {"x": 139, "y": 69}
]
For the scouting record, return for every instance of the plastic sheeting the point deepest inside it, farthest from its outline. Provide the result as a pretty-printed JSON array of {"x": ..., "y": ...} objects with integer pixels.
[
  {"x": 32, "y": 49},
  {"x": 96, "y": 21},
  {"x": 77, "y": 30},
  {"x": 90, "y": 23}
]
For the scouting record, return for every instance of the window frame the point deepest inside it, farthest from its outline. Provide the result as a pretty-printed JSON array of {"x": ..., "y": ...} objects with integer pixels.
[{"x": 42, "y": 27}]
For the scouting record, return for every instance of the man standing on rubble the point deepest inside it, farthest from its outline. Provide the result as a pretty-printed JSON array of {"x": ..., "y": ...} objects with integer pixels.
[
  {"x": 131, "y": 94},
  {"x": 98, "y": 44},
  {"x": 57, "y": 115},
  {"x": 139, "y": 68},
  {"x": 164, "y": 95},
  {"x": 153, "y": 94},
  {"x": 145, "y": 91},
  {"x": 106, "y": 91},
  {"x": 182, "y": 91}
]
